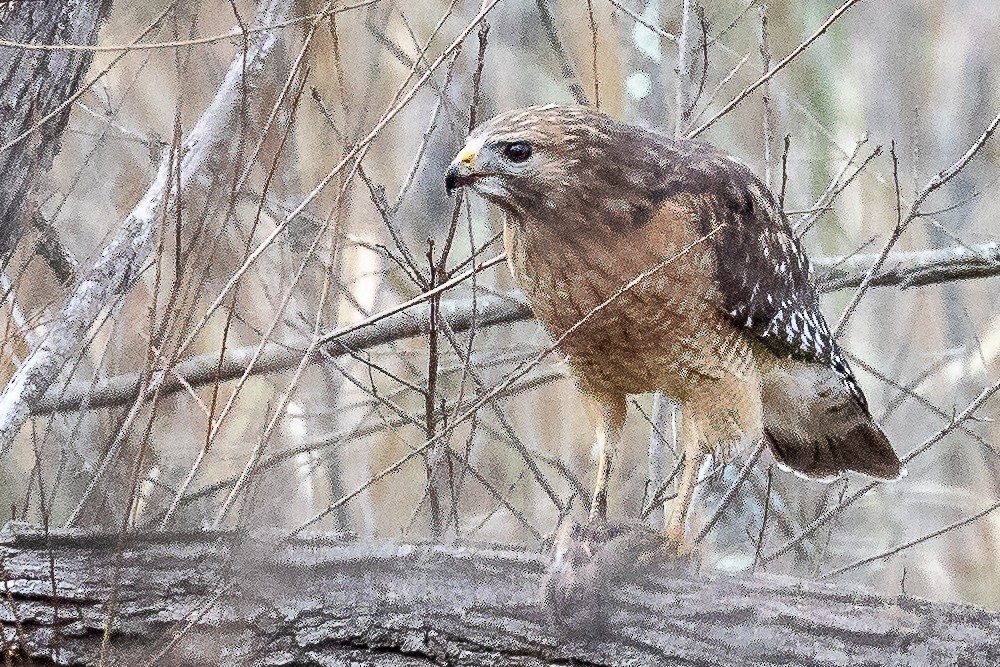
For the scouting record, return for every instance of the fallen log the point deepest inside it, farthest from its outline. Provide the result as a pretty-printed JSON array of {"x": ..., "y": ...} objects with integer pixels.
[{"x": 70, "y": 598}]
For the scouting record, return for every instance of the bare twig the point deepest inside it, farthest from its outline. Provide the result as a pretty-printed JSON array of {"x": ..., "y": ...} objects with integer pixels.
[
  {"x": 643, "y": 22},
  {"x": 593, "y": 38},
  {"x": 690, "y": 50},
  {"x": 719, "y": 86},
  {"x": 402, "y": 100},
  {"x": 914, "y": 213},
  {"x": 113, "y": 274},
  {"x": 897, "y": 231},
  {"x": 774, "y": 70},
  {"x": 240, "y": 32},
  {"x": 507, "y": 435},
  {"x": 662, "y": 409},
  {"x": 952, "y": 171},
  {"x": 770, "y": 120},
  {"x": 923, "y": 538},
  {"x": 568, "y": 72},
  {"x": 784, "y": 172},
  {"x": 763, "y": 522},
  {"x": 835, "y": 187},
  {"x": 730, "y": 492}
]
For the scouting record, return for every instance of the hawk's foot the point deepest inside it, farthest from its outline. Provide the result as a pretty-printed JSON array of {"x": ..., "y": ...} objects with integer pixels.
[{"x": 590, "y": 561}]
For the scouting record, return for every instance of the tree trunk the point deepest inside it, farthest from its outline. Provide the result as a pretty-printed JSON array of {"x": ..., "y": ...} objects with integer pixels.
[
  {"x": 34, "y": 84},
  {"x": 218, "y": 599}
]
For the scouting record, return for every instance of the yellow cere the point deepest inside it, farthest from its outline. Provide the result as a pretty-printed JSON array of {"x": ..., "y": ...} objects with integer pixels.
[{"x": 467, "y": 155}]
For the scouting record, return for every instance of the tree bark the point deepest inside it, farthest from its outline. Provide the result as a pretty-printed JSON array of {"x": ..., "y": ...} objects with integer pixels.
[
  {"x": 219, "y": 599},
  {"x": 34, "y": 84}
]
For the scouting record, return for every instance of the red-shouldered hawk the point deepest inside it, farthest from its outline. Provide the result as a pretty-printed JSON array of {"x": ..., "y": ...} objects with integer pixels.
[{"x": 664, "y": 264}]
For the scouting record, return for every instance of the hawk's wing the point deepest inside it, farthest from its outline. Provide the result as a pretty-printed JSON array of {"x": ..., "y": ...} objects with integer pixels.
[
  {"x": 762, "y": 272},
  {"x": 815, "y": 416}
]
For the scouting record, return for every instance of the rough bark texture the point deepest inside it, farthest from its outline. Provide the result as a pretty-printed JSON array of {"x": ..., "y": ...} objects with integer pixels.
[
  {"x": 33, "y": 84},
  {"x": 215, "y": 599}
]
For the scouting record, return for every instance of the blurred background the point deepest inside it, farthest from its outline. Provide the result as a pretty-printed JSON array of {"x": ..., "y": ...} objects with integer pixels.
[{"x": 323, "y": 203}]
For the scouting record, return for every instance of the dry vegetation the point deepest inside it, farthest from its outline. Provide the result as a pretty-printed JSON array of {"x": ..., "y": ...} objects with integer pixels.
[{"x": 308, "y": 196}]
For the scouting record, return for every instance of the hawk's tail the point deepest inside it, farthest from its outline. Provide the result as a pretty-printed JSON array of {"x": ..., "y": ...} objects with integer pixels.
[{"x": 816, "y": 427}]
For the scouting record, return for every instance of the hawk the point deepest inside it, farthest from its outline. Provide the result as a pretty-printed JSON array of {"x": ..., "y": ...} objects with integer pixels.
[{"x": 662, "y": 264}]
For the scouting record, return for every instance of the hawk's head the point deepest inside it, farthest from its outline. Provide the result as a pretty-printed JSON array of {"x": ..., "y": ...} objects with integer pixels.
[{"x": 565, "y": 162}]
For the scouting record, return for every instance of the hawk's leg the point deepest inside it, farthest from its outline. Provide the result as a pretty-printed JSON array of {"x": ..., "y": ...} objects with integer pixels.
[
  {"x": 608, "y": 414},
  {"x": 592, "y": 559},
  {"x": 694, "y": 456}
]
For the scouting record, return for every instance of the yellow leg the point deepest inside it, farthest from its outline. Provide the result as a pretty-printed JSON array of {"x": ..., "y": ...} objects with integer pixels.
[
  {"x": 694, "y": 457},
  {"x": 608, "y": 415}
]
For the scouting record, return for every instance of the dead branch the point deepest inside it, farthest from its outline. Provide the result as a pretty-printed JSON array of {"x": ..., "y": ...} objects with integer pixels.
[
  {"x": 35, "y": 85},
  {"x": 114, "y": 273},
  {"x": 901, "y": 269},
  {"x": 236, "y": 32},
  {"x": 218, "y": 598},
  {"x": 690, "y": 59},
  {"x": 206, "y": 369},
  {"x": 774, "y": 70},
  {"x": 913, "y": 268},
  {"x": 338, "y": 439},
  {"x": 348, "y": 162},
  {"x": 566, "y": 64}
]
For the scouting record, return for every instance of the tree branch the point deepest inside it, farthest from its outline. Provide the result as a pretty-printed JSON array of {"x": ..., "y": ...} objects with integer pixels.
[
  {"x": 901, "y": 269},
  {"x": 112, "y": 276},
  {"x": 774, "y": 70},
  {"x": 35, "y": 84},
  {"x": 217, "y": 598},
  {"x": 913, "y": 268}
]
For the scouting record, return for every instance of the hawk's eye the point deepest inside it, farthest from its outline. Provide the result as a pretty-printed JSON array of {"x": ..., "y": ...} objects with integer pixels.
[{"x": 517, "y": 151}]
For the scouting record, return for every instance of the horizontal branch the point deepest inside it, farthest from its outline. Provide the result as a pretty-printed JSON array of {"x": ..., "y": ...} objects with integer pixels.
[
  {"x": 901, "y": 269},
  {"x": 218, "y": 598},
  {"x": 914, "y": 268},
  {"x": 204, "y": 369}
]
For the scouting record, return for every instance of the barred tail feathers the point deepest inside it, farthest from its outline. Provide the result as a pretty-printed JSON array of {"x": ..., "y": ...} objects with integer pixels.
[{"x": 816, "y": 427}]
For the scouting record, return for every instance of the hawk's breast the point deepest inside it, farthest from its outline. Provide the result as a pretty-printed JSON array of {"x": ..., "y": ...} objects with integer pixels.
[{"x": 638, "y": 309}]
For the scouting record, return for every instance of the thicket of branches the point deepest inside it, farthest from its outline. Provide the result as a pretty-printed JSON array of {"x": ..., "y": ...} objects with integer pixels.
[{"x": 239, "y": 298}]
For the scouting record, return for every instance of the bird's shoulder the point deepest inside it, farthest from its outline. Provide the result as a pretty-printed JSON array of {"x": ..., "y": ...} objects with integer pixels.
[{"x": 761, "y": 270}]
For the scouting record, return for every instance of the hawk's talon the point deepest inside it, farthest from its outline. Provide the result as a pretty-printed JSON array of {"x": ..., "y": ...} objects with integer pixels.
[{"x": 591, "y": 560}]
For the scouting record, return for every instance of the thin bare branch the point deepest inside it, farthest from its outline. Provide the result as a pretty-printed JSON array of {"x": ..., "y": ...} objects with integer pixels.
[
  {"x": 774, "y": 70},
  {"x": 730, "y": 492},
  {"x": 113, "y": 275},
  {"x": 239, "y": 32},
  {"x": 912, "y": 543},
  {"x": 643, "y": 22},
  {"x": 350, "y": 158},
  {"x": 555, "y": 41}
]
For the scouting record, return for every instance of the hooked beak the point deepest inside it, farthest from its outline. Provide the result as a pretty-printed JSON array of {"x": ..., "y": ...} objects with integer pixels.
[{"x": 460, "y": 172}]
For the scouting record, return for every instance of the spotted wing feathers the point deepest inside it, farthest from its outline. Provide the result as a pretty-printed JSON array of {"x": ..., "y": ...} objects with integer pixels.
[{"x": 816, "y": 418}]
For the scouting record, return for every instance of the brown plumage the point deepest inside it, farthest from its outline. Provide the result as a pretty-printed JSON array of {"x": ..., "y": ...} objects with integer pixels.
[{"x": 665, "y": 264}]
